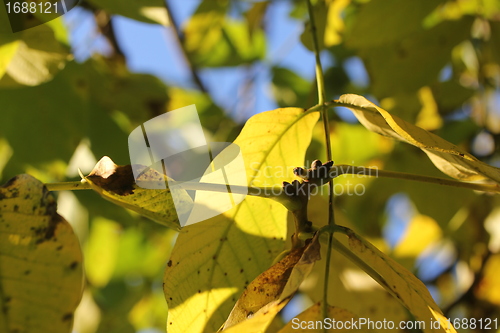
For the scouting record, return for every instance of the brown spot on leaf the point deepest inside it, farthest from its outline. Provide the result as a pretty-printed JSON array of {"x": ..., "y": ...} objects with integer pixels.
[
  {"x": 169, "y": 263},
  {"x": 48, "y": 232},
  {"x": 67, "y": 316},
  {"x": 73, "y": 265},
  {"x": 114, "y": 178}
]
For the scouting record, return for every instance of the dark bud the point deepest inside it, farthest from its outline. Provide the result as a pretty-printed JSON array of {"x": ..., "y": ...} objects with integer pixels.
[
  {"x": 300, "y": 172},
  {"x": 316, "y": 164},
  {"x": 328, "y": 165}
]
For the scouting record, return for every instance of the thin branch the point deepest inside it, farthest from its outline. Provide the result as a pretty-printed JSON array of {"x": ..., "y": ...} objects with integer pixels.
[
  {"x": 68, "y": 186},
  {"x": 345, "y": 169},
  {"x": 106, "y": 27},
  {"x": 180, "y": 40},
  {"x": 324, "y": 114}
]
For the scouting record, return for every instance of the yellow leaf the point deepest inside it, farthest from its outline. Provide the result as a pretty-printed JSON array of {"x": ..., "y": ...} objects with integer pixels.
[
  {"x": 489, "y": 287},
  {"x": 401, "y": 284},
  {"x": 260, "y": 321},
  {"x": 446, "y": 156},
  {"x": 335, "y": 23},
  {"x": 276, "y": 285},
  {"x": 422, "y": 232},
  {"x": 428, "y": 118},
  {"x": 214, "y": 260},
  {"x": 7, "y": 51},
  {"x": 309, "y": 321},
  {"x": 351, "y": 288},
  {"x": 116, "y": 184},
  {"x": 41, "y": 276},
  {"x": 38, "y": 57}
]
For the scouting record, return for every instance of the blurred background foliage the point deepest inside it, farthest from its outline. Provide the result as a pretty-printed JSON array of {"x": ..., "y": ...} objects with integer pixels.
[{"x": 71, "y": 91}]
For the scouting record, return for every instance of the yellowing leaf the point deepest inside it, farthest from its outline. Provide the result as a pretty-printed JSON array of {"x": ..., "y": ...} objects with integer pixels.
[
  {"x": 308, "y": 321},
  {"x": 214, "y": 260},
  {"x": 116, "y": 184},
  {"x": 422, "y": 232},
  {"x": 38, "y": 57},
  {"x": 41, "y": 275},
  {"x": 401, "y": 283},
  {"x": 101, "y": 251},
  {"x": 446, "y": 156},
  {"x": 277, "y": 284}
]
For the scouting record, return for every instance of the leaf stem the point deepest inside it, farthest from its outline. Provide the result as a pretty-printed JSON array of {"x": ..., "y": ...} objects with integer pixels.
[
  {"x": 324, "y": 115},
  {"x": 68, "y": 186},
  {"x": 345, "y": 169},
  {"x": 273, "y": 192}
]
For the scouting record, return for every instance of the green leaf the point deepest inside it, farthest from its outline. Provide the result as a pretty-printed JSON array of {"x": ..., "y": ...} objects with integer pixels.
[
  {"x": 289, "y": 88},
  {"x": 447, "y": 157},
  {"x": 274, "y": 287},
  {"x": 41, "y": 276},
  {"x": 148, "y": 11},
  {"x": 116, "y": 184},
  {"x": 320, "y": 12},
  {"x": 101, "y": 251},
  {"x": 84, "y": 100},
  {"x": 214, "y": 40},
  {"x": 366, "y": 30},
  {"x": 39, "y": 111},
  {"x": 214, "y": 260},
  {"x": 411, "y": 63},
  {"x": 400, "y": 283}
]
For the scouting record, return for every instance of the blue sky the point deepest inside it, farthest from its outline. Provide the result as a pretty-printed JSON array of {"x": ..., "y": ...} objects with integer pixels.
[{"x": 152, "y": 49}]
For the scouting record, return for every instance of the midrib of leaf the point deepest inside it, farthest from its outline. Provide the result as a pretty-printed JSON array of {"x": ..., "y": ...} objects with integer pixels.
[
  {"x": 266, "y": 155},
  {"x": 302, "y": 115},
  {"x": 285, "y": 127}
]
